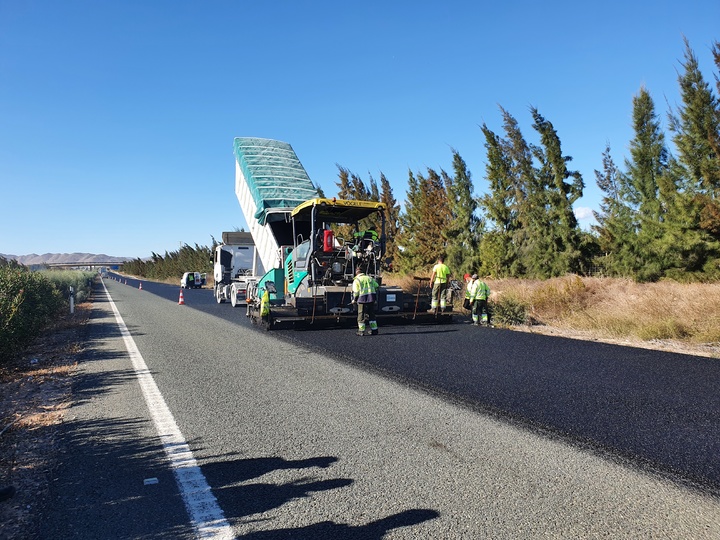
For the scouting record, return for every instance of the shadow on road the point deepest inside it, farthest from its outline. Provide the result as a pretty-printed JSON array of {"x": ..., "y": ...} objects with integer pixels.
[{"x": 375, "y": 530}]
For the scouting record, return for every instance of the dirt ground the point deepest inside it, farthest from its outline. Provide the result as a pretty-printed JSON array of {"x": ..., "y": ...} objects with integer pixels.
[{"x": 35, "y": 394}]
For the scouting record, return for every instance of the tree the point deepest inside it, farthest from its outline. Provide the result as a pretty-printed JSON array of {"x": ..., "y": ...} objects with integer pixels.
[
  {"x": 499, "y": 207},
  {"x": 560, "y": 224},
  {"x": 461, "y": 235},
  {"x": 425, "y": 222},
  {"x": 392, "y": 219},
  {"x": 696, "y": 128},
  {"x": 410, "y": 221},
  {"x": 616, "y": 231}
]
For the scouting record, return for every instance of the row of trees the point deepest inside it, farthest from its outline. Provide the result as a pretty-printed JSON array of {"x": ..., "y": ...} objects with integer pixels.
[
  {"x": 659, "y": 216},
  {"x": 173, "y": 264}
]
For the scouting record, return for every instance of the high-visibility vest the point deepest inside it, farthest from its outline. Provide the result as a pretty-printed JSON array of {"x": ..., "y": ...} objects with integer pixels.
[
  {"x": 479, "y": 290},
  {"x": 265, "y": 304},
  {"x": 441, "y": 272},
  {"x": 364, "y": 289}
]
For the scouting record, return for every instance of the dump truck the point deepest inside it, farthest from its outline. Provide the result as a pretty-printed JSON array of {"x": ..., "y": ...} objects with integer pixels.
[
  {"x": 235, "y": 264},
  {"x": 310, "y": 246}
]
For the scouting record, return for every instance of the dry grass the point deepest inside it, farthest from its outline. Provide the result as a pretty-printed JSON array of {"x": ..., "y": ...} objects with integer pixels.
[
  {"x": 617, "y": 310},
  {"x": 621, "y": 309}
]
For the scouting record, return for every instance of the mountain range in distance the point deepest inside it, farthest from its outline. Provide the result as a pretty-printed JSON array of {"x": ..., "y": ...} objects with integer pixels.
[{"x": 64, "y": 258}]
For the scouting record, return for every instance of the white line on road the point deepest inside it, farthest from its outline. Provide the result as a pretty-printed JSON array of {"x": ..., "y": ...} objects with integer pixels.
[{"x": 205, "y": 514}]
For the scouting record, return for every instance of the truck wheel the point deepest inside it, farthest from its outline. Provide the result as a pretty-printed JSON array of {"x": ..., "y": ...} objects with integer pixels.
[
  {"x": 233, "y": 297},
  {"x": 218, "y": 298}
]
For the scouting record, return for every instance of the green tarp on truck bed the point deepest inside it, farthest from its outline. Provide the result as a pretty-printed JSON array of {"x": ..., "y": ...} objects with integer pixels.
[{"x": 274, "y": 174}]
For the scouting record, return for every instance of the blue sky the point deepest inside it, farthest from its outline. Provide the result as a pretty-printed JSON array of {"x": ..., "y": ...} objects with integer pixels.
[{"x": 117, "y": 118}]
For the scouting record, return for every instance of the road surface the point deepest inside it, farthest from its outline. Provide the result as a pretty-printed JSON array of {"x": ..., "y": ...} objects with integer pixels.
[{"x": 438, "y": 431}]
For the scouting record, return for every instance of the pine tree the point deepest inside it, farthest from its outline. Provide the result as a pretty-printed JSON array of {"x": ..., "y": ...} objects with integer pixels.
[
  {"x": 436, "y": 218},
  {"x": 392, "y": 220},
  {"x": 500, "y": 208},
  {"x": 696, "y": 134},
  {"x": 410, "y": 221},
  {"x": 527, "y": 194},
  {"x": 343, "y": 184},
  {"x": 461, "y": 234},
  {"x": 616, "y": 232},
  {"x": 696, "y": 128},
  {"x": 563, "y": 235},
  {"x": 648, "y": 172},
  {"x": 424, "y": 222}
]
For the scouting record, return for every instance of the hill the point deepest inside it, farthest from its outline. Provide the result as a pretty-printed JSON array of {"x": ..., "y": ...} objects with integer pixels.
[{"x": 64, "y": 258}]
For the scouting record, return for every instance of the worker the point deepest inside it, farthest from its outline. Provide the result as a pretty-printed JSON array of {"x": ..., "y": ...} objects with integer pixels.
[
  {"x": 466, "y": 302},
  {"x": 479, "y": 294},
  {"x": 265, "y": 306},
  {"x": 366, "y": 239},
  {"x": 369, "y": 234},
  {"x": 439, "y": 280},
  {"x": 365, "y": 290}
]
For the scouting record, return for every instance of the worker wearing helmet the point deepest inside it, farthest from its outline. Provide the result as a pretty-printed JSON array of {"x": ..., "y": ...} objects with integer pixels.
[
  {"x": 439, "y": 281},
  {"x": 365, "y": 294}
]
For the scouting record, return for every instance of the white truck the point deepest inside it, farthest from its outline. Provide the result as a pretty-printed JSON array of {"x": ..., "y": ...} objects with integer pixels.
[
  {"x": 235, "y": 264},
  {"x": 269, "y": 182}
]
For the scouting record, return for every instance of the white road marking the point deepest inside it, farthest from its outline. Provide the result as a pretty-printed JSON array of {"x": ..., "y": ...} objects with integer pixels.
[{"x": 205, "y": 514}]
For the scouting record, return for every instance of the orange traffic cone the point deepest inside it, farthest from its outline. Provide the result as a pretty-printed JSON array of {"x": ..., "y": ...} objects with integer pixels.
[
  {"x": 181, "y": 302},
  {"x": 140, "y": 287}
]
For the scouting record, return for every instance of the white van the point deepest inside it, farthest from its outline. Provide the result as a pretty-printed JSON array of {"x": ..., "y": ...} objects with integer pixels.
[{"x": 192, "y": 280}]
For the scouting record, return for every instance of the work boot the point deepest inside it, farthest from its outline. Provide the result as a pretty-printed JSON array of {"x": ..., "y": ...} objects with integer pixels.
[
  {"x": 359, "y": 333},
  {"x": 374, "y": 332}
]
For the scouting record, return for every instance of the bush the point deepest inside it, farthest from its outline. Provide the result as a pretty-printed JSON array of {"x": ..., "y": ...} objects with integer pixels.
[
  {"x": 80, "y": 281},
  {"x": 30, "y": 301},
  {"x": 509, "y": 311}
]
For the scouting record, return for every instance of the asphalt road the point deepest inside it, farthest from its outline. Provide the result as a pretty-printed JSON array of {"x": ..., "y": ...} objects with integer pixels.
[{"x": 436, "y": 431}]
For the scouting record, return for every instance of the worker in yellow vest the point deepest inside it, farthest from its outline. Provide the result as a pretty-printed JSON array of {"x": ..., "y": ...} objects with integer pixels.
[
  {"x": 479, "y": 294},
  {"x": 265, "y": 305},
  {"x": 365, "y": 290},
  {"x": 439, "y": 281}
]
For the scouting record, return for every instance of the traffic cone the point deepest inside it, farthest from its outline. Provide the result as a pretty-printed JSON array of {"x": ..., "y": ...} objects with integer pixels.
[
  {"x": 181, "y": 302},
  {"x": 140, "y": 287}
]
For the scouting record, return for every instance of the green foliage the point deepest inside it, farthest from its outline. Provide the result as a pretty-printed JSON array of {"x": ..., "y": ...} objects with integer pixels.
[
  {"x": 426, "y": 222},
  {"x": 63, "y": 280},
  {"x": 509, "y": 311},
  {"x": 462, "y": 239},
  {"x": 392, "y": 220},
  {"x": 29, "y": 302}
]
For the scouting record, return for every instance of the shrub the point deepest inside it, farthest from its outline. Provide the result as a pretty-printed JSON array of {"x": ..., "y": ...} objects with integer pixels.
[
  {"x": 509, "y": 311},
  {"x": 28, "y": 303}
]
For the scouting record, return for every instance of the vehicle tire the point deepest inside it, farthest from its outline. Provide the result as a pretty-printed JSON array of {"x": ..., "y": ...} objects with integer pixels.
[
  {"x": 218, "y": 298},
  {"x": 233, "y": 297}
]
